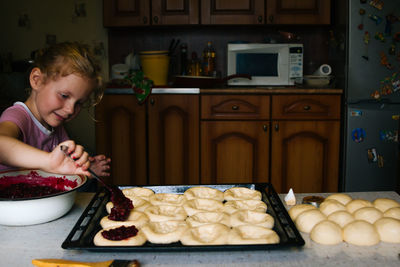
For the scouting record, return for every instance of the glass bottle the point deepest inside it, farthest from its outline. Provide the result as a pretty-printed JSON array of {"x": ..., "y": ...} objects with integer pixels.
[{"x": 209, "y": 58}]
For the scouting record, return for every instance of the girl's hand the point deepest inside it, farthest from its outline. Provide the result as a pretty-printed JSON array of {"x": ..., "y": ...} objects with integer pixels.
[
  {"x": 100, "y": 164},
  {"x": 75, "y": 162}
]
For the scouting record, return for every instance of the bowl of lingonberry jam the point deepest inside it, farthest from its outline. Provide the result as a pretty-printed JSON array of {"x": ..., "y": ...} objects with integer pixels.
[{"x": 30, "y": 197}]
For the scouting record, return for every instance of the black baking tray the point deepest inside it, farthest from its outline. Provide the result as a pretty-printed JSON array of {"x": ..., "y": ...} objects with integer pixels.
[{"x": 82, "y": 234}]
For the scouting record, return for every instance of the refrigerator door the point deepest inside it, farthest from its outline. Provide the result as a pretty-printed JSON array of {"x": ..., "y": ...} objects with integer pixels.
[
  {"x": 365, "y": 71},
  {"x": 371, "y": 148}
]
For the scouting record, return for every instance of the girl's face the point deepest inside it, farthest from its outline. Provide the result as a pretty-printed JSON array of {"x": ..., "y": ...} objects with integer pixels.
[{"x": 60, "y": 100}]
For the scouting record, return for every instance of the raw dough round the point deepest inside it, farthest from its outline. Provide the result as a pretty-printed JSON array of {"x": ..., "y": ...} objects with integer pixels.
[
  {"x": 341, "y": 197},
  {"x": 167, "y": 199},
  {"x": 196, "y": 205},
  {"x": 360, "y": 233},
  {"x": 136, "y": 240},
  {"x": 233, "y": 206},
  {"x": 341, "y": 217},
  {"x": 383, "y": 204},
  {"x": 369, "y": 214},
  {"x": 392, "y": 213},
  {"x": 388, "y": 230},
  {"x": 138, "y": 192},
  {"x": 165, "y": 232},
  {"x": 136, "y": 218},
  {"x": 330, "y": 206},
  {"x": 356, "y": 204},
  {"x": 296, "y": 210},
  {"x": 308, "y": 219},
  {"x": 204, "y": 192},
  {"x": 252, "y": 234},
  {"x": 139, "y": 204},
  {"x": 165, "y": 213},
  {"x": 243, "y": 217},
  {"x": 207, "y": 234},
  {"x": 326, "y": 233},
  {"x": 207, "y": 217},
  {"x": 241, "y": 193}
]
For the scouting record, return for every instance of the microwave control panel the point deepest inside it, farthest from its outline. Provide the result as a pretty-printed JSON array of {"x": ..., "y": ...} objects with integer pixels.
[{"x": 296, "y": 62}]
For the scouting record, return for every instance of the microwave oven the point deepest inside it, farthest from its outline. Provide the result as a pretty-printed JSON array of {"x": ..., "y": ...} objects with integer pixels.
[{"x": 267, "y": 64}]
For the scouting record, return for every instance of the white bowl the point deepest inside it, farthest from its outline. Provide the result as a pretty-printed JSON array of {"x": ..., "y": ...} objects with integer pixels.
[
  {"x": 36, "y": 210},
  {"x": 317, "y": 81}
]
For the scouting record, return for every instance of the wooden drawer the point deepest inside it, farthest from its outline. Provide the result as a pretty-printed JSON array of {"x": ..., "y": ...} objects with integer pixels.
[
  {"x": 306, "y": 107},
  {"x": 235, "y": 107}
]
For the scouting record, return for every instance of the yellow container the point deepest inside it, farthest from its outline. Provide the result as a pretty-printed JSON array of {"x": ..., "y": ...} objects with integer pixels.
[{"x": 155, "y": 65}]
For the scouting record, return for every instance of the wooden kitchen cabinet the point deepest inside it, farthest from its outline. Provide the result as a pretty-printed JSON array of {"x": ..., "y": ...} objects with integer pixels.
[
  {"x": 232, "y": 12},
  {"x": 234, "y": 139},
  {"x": 305, "y": 141},
  {"x": 125, "y": 13},
  {"x": 173, "y": 139},
  {"x": 298, "y": 12},
  {"x": 121, "y": 135}
]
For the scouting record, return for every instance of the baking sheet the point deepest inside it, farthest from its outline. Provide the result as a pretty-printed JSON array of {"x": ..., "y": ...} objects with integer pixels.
[{"x": 82, "y": 234}]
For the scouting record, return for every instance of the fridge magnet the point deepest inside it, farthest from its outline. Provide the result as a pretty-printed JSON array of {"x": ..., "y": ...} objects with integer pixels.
[
  {"x": 356, "y": 113},
  {"x": 380, "y": 161},
  {"x": 379, "y": 36},
  {"x": 388, "y": 136},
  {"x": 375, "y": 18},
  {"x": 384, "y": 61},
  {"x": 362, "y": 14},
  {"x": 378, "y": 4},
  {"x": 366, "y": 39},
  {"x": 392, "y": 49},
  {"x": 390, "y": 19},
  {"x": 358, "y": 135},
  {"x": 372, "y": 156},
  {"x": 395, "y": 81}
]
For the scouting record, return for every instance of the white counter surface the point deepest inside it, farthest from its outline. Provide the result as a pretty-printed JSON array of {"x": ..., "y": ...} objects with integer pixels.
[{"x": 19, "y": 245}]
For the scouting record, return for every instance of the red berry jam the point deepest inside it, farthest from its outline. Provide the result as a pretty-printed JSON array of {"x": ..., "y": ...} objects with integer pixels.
[
  {"x": 33, "y": 185},
  {"x": 122, "y": 205},
  {"x": 120, "y": 233}
]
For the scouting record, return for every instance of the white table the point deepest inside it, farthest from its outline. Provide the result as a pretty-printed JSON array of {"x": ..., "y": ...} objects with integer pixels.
[{"x": 19, "y": 245}]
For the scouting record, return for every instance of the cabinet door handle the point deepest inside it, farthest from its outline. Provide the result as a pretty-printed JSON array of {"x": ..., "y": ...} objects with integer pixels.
[
  {"x": 235, "y": 107},
  {"x": 144, "y": 20},
  {"x": 276, "y": 127},
  {"x": 260, "y": 19},
  {"x": 155, "y": 19},
  {"x": 152, "y": 101},
  {"x": 265, "y": 128},
  {"x": 307, "y": 107}
]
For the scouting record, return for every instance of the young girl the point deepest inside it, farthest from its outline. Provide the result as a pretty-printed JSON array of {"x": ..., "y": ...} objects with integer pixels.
[{"x": 65, "y": 77}]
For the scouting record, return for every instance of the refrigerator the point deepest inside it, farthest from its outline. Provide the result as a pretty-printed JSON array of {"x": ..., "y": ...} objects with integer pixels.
[{"x": 372, "y": 96}]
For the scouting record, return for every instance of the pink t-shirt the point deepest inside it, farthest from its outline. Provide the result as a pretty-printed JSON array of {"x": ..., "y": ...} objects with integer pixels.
[{"x": 32, "y": 131}]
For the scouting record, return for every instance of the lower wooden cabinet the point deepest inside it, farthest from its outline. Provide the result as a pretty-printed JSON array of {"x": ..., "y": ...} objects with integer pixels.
[
  {"x": 121, "y": 135},
  {"x": 234, "y": 152}
]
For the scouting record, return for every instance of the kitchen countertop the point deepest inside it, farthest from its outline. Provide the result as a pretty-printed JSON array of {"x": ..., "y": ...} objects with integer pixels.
[{"x": 19, "y": 245}]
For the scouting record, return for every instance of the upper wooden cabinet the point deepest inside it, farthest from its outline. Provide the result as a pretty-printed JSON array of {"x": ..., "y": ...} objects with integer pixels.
[
  {"x": 123, "y": 13},
  {"x": 232, "y": 12},
  {"x": 298, "y": 12}
]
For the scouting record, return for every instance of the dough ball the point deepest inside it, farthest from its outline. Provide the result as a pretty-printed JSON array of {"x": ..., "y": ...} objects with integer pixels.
[
  {"x": 164, "y": 232},
  {"x": 138, "y": 192},
  {"x": 341, "y": 217},
  {"x": 388, "y": 230},
  {"x": 232, "y": 206},
  {"x": 207, "y": 234},
  {"x": 252, "y": 234},
  {"x": 306, "y": 221},
  {"x": 167, "y": 199},
  {"x": 139, "y": 204},
  {"x": 383, "y": 204},
  {"x": 136, "y": 218},
  {"x": 326, "y": 233},
  {"x": 360, "y": 233},
  {"x": 296, "y": 210},
  {"x": 243, "y": 217},
  {"x": 137, "y": 240},
  {"x": 330, "y": 206},
  {"x": 196, "y": 205},
  {"x": 241, "y": 193},
  {"x": 341, "y": 197},
  {"x": 207, "y": 217},
  {"x": 356, "y": 204},
  {"x": 392, "y": 213},
  {"x": 204, "y": 192},
  {"x": 369, "y": 214},
  {"x": 165, "y": 213}
]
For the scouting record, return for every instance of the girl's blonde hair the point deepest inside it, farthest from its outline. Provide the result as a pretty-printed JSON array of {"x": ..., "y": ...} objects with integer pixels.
[{"x": 63, "y": 59}]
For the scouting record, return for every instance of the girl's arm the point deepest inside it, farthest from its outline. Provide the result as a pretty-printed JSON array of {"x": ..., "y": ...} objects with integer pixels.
[{"x": 15, "y": 153}]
